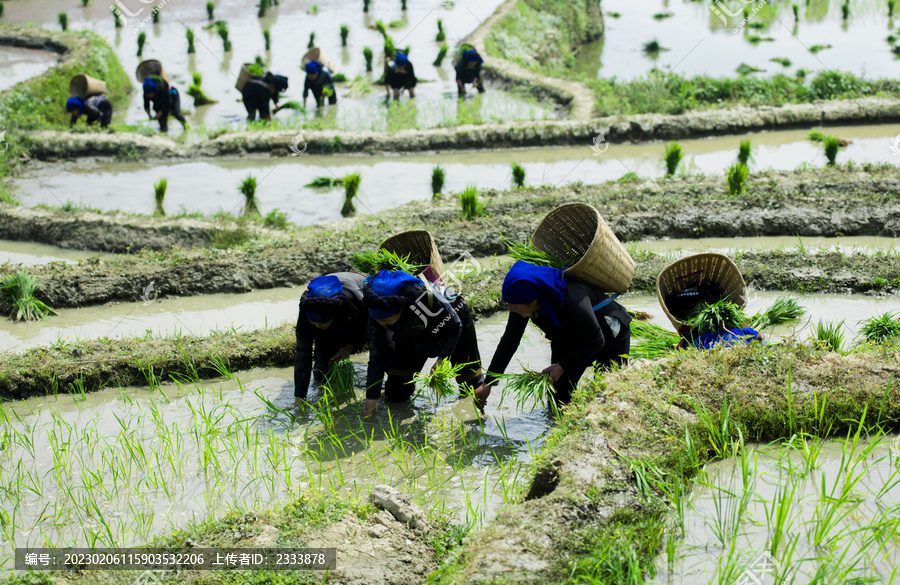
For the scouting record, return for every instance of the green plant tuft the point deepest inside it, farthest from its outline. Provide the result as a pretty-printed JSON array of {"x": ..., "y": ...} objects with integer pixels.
[
  {"x": 351, "y": 189},
  {"x": 210, "y": 10},
  {"x": 736, "y": 177},
  {"x": 715, "y": 317},
  {"x": 63, "y": 20},
  {"x": 20, "y": 287},
  {"x": 468, "y": 200},
  {"x": 672, "y": 157},
  {"x": 159, "y": 195},
  {"x": 248, "y": 190},
  {"x": 441, "y": 54},
  {"x": 518, "y": 175},
  {"x": 345, "y": 32},
  {"x": 882, "y": 328},
  {"x": 437, "y": 182},
  {"x": 381, "y": 259}
]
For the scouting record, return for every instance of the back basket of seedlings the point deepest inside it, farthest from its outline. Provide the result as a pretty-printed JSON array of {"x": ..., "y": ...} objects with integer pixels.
[{"x": 708, "y": 278}]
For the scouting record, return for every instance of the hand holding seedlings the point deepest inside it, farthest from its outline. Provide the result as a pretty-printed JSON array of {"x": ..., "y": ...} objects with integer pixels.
[{"x": 555, "y": 371}]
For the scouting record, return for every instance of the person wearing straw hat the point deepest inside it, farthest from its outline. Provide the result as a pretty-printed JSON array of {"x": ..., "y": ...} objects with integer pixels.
[
  {"x": 333, "y": 319},
  {"x": 411, "y": 321},
  {"x": 468, "y": 70},
  {"x": 95, "y": 108},
  {"x": 584, "y": 327},
  {"x": 165, "y": 100},
  {"x": 320, "y": 83},
  {"x": 400, "y": 76},
  {"x": 257, "y": 93}
]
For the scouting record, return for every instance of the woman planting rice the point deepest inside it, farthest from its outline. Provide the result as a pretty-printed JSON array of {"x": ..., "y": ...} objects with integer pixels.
[
  {"x": 165, "y": 99},
  {"x": 257, "y": 93},
  {"x": 400, "y": 76},
  {"x": 412, "y": 321},
  {"x": 333, "y": 318},
  {"x": 95, "y": 108},
  {"x": 320, "y": 83},
  {"x": 468, "y": 70},
  {"x": 584, "y": 326}
]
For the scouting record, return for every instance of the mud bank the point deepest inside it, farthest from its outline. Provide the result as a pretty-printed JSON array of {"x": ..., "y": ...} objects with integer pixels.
[
  {"x": 55, "y": 145},
  {"x": 585, "y": 515}
]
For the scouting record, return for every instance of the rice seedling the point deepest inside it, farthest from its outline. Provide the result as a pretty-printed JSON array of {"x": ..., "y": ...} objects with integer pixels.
[
  {"x": 141, "y": 39},
  {"x": 440, "y": 379},
  {"x": 784, "y": 62},
  {"x": 784, "y": 310},
  {"x": 341, "y": 381},
  {"x": 743, "y": 68},
  {"x": 351, "y": 188},
  {"x": 115, "y": 12},
  {"x": 829, "y": 336},
  {"x": 736, "y": 178},
  {"x": 891, "y": 39},
  {"x": 222, "y": 30},
  {"x": 882, "y": 329},
  {"x": 248, "y": 190},
  {"x": 210, "y": 9},
  {"x": 189, "y": 34},
  {"x": 795, "y": 8},
  {"x": 468, "y": 200},
  {"x": 196, "y": 91},
  {"x": 529, "y": 386},
  {"x": 437, "y": 182},
  {"x": 722, "y": 434},
  {"x": 312, "y": 41},
  {"x": 366, "y": 5},
  {"x": 653, "y": 48},
  {"x": 650, "y": 341},
  {"x": 381, "y": 259},
  {"x": 528, "y": 253},
  {"x": 21, "y": 287},
  {"x": 313, "y": 10},
  {"x": 339, "y": 78},
  {"x": 63, "y": 21},
  {"x": 518, "y": 175},
  {"x": 845, "y": 10},
  {"x": 818, "y": 48},
  {"x": 672, "y": 158},
  {"x": 441, "y": 54},
  {"x": 831, "y": 146},
  {"x": 155, "y": 14},
  {"x": 293, "y": 105},
  {"x": 159, "y": 195},
  {"x": 745, "y": 152},
  {"x": 267, "y": 38},
  {"x": 441, "y": 35},
  {"x": 663, "y": 15},
  {"x": 345, "y": 32},
  {"x": 714, "y": 317}
]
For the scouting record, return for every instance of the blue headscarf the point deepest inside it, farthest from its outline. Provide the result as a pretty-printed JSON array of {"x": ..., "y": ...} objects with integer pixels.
[
  {"x": 526, "y": 282},
  {"x": 388, "y": 284},
  {"x": 75, "y": 103},
  {"x": 472, "y": 56},
  {"x": 401, "y": 59},
  {"x": 323, "y": 287},
  {"x": 150, "y": 86},
  {"x": 313, "y": 67}
]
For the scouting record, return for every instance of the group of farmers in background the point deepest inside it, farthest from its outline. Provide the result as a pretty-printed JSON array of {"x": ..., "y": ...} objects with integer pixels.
[{"x": 165, "y": 99}]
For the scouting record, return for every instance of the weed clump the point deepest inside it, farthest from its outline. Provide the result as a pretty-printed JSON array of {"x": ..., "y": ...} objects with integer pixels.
[
  {"x": 21, "y": 287},
  {"x": 882, "y": 329}
]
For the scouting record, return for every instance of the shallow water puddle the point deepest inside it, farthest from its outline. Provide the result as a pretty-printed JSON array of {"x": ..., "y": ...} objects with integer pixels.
[
  {"x": 118, "y": 466},
  {"x": 389, "y": 181},
  {"x": 290, "y": 25},
  {"x": 30, "y": 253},
  {"x": 17, "y": 64},
  {"x": 701, "y": 41},
  {"x": 677, "y": 248},
  {"x": 791, "y": 514}
]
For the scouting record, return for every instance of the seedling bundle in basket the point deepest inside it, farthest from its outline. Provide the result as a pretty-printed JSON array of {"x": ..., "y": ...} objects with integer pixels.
[
  {"x": 381, "y": 259},
  {"x": 528, "y": 253}
]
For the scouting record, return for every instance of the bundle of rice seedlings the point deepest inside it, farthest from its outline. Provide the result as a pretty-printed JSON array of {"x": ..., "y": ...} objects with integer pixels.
[
  {"x": 529, "y": 386},
  {"x": 829, "y": 336},
  {"x": 441, "y": 35},
  {"x": 713, "y": 317},
  {"x": 528, "y": 253},
  {"x": 367, "y": 54},
  {"x": 21, "y": 287},
  {"x": 248, "y": 189},
  {"x": 292, "y": 105},
  {"x": 736, "y": 178},
  {"x": 141, "y": 40},
  {"x": 441, "y": 54},
  {"x": 441, "y": 379},
  {"x": 155, "y": 14},
  {"x": 267, "y": 37},
  {"x": 345, "y": 32},
  {"x": 672, "y": 158},
  {"x": 745, "y": 152},
  {"x": 341, "y": 381},
  {"x": 351, "y": 188},
  {"x": 189, "y": 33},
  {"x": 210, "y": 9},
  {"x": 257, "y": 70},
  {"x": 882, "y": 329},
  {"x": 650, "y": 341},
  {"x": 325, "y": 183},
  {"x": 339, "y": 78},
  {"x": 312, "y": 41},
  {"x": 64, "y": 21},
  {"x": 831, "y": 149},
  {"x": 518, "y": 175},
  {"x": 159, "y": 193},
  {"x": 375, "y": 262},
  {"x": 196, "y": 92},
  {"x": 437, "y": 181},
  {"x": 468, "y": 201},
  {"x": 783, "y": 310},
  {"x": 890, "y": 7}
]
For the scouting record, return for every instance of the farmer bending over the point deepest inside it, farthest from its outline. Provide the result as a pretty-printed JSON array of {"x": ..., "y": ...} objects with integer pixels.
[
  {"x": 410, "y": 322},
  {"x": 468, "y": 70},
  {"x": 400, "y": 76},
  {"x": 584, "y": 326},
  {"x": 332, "y": 318},
  {"x": 165, "y": 99},
  {"x": 94, "y": 108},
  {"x": 319, "y": 81},
  {"x": 257, "y": 93}
]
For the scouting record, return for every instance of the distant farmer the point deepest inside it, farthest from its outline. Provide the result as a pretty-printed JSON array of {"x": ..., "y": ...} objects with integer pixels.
[
  {"x": 257, "y": 93},
  {"x": 165, "y": 99},
  {"x": 468, "y": 70},
  {"x": 332, "y": 318},
  {"x": 319, "y": 81},
  {"x": 94, "y": 108},
  {"x": 584, "y": 326},
  {"x": 400, "y": 76},
  {"x": 412, "y": 321}
]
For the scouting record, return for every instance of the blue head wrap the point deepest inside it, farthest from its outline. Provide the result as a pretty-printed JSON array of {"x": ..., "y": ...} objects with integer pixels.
[
  {"x": 472, "y": 56},
  {"x": 388, "y": 284},
  {"x": 313, "y": 67},
  {"x": 150, "y": 86},
  {"x": 75, "y": 103},
  {"x": 401, "y": 59},
  {"x": 323, "y": 287},
  {"x": 526, "y": 282}
]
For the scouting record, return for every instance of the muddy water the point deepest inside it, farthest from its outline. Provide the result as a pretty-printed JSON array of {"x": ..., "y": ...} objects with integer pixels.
[
  {"x": 18, "y": 64},
  {"x": 681, "y": 247},
  {"x": 290, "y": 25},
  {"x": 842, "y": 537},
  {"x": 30, "y": 253},
  {"x": 391, "y": 181},
  {"x": 700, "y": 42},
  {"x": 152, "y": 461}
]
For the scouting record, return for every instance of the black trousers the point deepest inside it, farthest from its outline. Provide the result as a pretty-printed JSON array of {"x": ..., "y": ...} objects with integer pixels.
[
  {"x": 106, "y": 112},
  {"x": 318, "y": 93},
  {"x": 325, "y": 346},
  {"x": 405, "y": 362},
  {"x": 610, "y": 354},
  {"x": 174, "y": 110}
]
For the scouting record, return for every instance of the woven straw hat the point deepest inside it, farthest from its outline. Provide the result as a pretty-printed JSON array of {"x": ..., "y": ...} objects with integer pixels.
[
  {"x": 419, "y": 245},
  {"x": 691, "y": 270},
  {"x": 577, "y": 230},
  {"x": 148, "y": 68}
]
